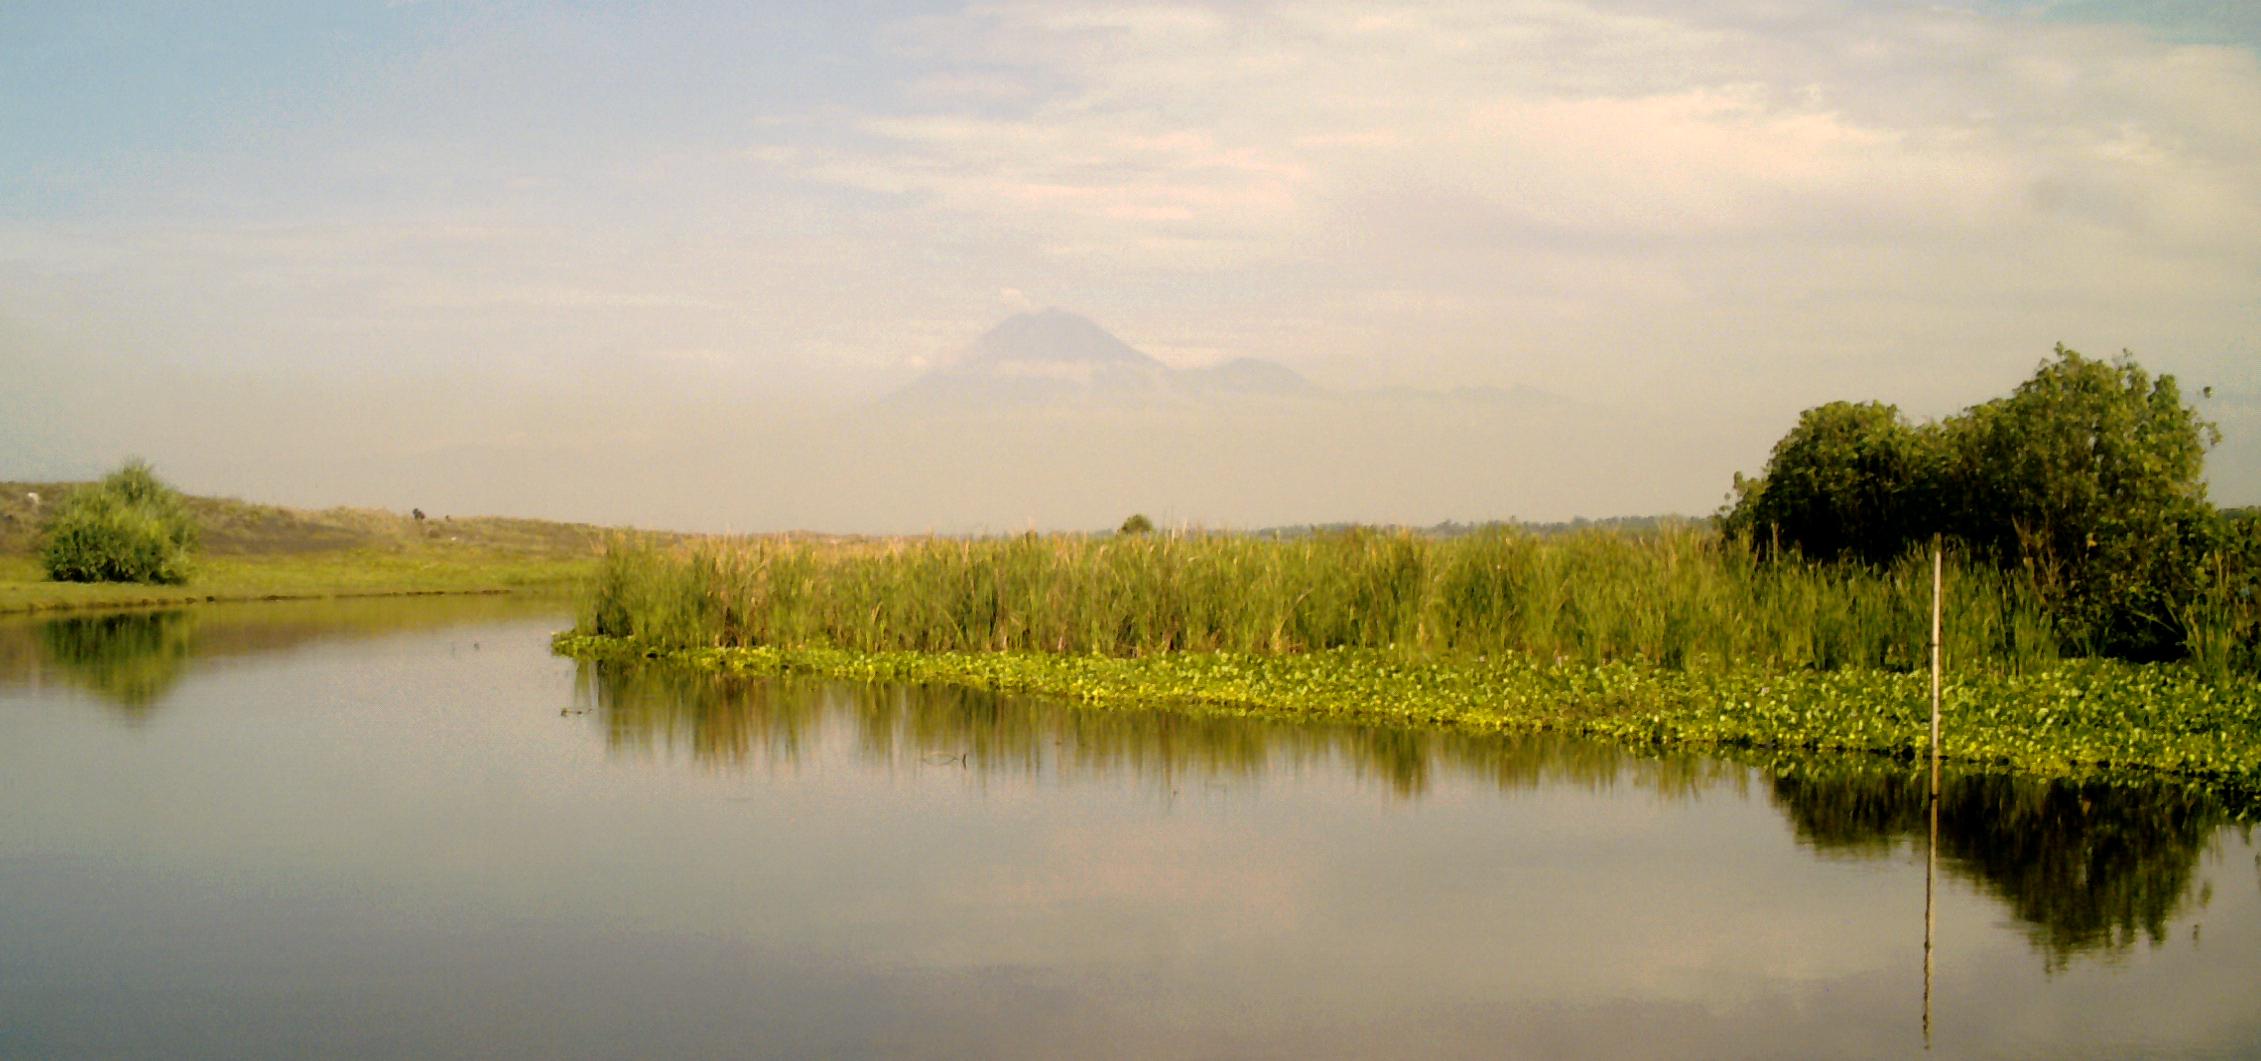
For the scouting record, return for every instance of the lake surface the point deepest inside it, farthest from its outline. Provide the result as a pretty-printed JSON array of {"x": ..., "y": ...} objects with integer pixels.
[{"x": 404, "y": 828}]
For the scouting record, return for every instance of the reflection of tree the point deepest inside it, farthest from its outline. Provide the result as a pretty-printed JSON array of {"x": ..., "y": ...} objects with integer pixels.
[
  {"x": 730, "y": 721},
  {"x": 2088, "y": 867},
  {"x": 130, "y": 659},
  {"x": 133, "y": 659}
]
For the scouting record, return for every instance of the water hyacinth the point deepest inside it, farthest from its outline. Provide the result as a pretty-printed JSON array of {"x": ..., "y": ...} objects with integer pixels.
[
  {"x": 1664, "y": 638},
  {"x": 2087, "y": 719}
]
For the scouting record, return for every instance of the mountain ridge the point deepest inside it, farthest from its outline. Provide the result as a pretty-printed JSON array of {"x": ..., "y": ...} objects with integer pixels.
[{"x": 1056, "y": 358}]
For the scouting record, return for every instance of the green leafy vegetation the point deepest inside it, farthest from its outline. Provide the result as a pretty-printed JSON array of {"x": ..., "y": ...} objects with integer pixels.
[
  {"x": 2086, "y": 479},
  {"x": 2088, "y": 719},
  {"x": 130, "y": 527}
]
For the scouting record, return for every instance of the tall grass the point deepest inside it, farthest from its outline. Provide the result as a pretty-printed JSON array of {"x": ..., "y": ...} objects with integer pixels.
[{"x": 1680, "y": 597}]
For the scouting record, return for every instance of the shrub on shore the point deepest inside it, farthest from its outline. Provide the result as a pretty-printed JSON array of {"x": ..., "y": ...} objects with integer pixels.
[
  {"x": 130, "y": 527},
  {"x": 2087, "y": 478}
]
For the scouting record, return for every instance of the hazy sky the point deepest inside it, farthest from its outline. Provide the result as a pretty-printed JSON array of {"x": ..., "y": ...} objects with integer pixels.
[{"x": 653, "y": 262}]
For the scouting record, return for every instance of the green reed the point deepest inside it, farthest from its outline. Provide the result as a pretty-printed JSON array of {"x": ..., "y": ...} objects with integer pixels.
[{"x": 1679, "y": 598}]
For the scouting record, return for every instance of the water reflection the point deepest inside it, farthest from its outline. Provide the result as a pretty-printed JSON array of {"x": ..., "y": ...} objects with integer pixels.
[
  {"x": 129, "y": 659},
  {"x": 727, "y": 722},
  {"x": 2087, "y": 868},
  {"x": 133, "y": 660}
]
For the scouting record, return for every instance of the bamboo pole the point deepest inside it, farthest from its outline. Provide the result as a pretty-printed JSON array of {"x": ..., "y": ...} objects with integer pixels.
[
  {"x": 1931, "y": 851},
  {"x": 1938, "y": 582}
]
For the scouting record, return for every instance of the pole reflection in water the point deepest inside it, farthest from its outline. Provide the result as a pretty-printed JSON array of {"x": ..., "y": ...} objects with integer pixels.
[
  {"x": 2086, "y": 868},
  {"x": 1930, "y": 914}
]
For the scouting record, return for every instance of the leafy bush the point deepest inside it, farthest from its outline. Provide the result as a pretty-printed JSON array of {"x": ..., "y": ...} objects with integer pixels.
[
  {"x": 2087, "y": 478},
  {"x": 1849, "y": 481},
  {"x": 130, "y": 527},
  {"x": 2090, "y": 476}
]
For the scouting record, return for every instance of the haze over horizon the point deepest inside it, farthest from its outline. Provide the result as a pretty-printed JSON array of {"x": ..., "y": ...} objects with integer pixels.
[{"x": 708, "y": 268}]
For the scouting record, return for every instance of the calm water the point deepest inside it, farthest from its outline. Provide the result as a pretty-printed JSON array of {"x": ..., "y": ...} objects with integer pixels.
[{"x": 403, "y": 828}]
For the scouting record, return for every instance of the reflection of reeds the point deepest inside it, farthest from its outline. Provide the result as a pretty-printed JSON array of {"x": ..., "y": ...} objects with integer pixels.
[
  {"x": 2089, "y": 868},
  {"x": 727, "y": 720},
  {"x": 719, "y": 720},
  {"x": 1680, "y": 597}
]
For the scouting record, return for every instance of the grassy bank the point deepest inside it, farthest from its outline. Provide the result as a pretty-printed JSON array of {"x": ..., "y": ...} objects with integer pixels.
[
  {"x": 262, "y": 552},
  {"x": 290, "y": 576},
  {"x": 1671, "y": 637}
]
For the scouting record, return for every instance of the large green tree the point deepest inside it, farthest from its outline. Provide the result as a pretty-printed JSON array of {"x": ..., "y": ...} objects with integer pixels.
[
  {"x": 1846, "y": 482},
  {"x": 2088, "y": 476}
]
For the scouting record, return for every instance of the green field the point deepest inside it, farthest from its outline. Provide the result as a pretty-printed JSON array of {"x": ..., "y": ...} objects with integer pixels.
[{"x": 261, "y": 552}]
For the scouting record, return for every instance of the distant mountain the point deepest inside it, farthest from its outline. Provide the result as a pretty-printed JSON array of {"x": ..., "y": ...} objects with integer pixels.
[
  {"x": 1054, "y": 337},
  {"x": 1057, "y": 357},
  {"x": 1247, "y": 376}
]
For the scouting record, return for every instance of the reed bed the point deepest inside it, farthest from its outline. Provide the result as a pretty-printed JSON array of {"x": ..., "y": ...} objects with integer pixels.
[
  {"x": 1665, "y": 638},
  {"x": 1677, "y": 598}
]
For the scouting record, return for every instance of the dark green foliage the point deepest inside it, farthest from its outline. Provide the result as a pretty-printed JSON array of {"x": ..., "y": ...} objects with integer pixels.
[
  {"x": 1848, "y": 481},
  {"x": 2087, "y": 478},
  {"x": 130, "y": 527},
  {"x": 1136, "y": 524}
]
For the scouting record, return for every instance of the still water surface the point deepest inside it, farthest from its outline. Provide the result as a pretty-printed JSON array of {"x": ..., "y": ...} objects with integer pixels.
[{"x": 404, "y": 828}]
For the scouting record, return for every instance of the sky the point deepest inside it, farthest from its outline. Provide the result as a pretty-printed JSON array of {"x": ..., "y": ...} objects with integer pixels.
[{"x": 660, "y": 264}]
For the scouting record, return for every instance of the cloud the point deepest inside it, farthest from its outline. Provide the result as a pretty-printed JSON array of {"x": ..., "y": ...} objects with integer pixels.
[
  {"x": 1877, "y": 176},
  {"x": 1702, "y": 217},
  {"x": 1185, "y": 124}
]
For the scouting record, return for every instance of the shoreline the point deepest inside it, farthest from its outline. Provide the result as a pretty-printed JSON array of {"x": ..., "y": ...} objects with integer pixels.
[
  {"x": 24, "y": 589},
  {"x": 2082, "y": 721},
  {"x": 190, "y": 599}
]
